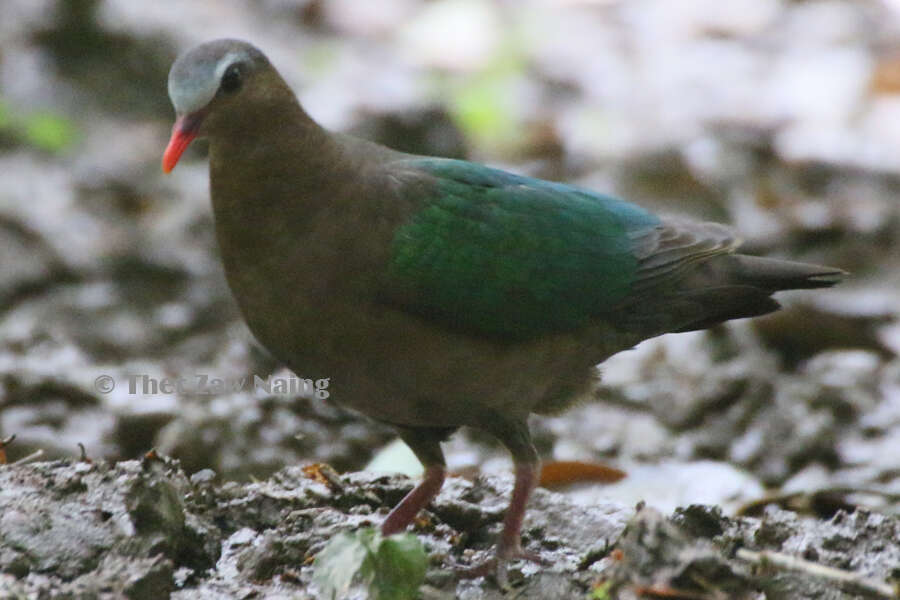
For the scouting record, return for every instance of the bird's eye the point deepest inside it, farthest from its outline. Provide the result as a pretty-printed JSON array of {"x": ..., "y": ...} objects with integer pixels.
[{"x": 231, "y": 79}]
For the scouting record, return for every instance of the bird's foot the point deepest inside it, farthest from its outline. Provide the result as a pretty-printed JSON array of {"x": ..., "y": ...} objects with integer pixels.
[{"x": 497, "y": 565}]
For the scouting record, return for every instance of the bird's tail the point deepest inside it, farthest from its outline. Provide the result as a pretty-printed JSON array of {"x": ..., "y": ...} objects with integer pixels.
[
  {"x": 737, "y": 286},
  {"x": 774, "y": 274}
]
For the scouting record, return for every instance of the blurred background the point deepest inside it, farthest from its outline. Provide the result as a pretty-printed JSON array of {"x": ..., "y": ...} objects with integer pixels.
[{"x": 779, "y": 117}]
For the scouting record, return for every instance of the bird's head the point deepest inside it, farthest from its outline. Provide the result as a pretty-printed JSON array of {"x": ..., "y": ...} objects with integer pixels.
[{"x": 218, "y": 84}]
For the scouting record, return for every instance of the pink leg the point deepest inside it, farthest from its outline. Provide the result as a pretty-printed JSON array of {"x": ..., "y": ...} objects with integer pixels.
[
  {"x": 426, "y": 445},
  {"x": 515, "y": 436},
  {"x": 510, "y": 545},
  {"x": 417, "y": 499}
]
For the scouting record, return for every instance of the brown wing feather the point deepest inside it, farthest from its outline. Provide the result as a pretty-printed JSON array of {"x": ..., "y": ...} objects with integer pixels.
[
  {"x": 689, "y": 277},
  {"x": 669, "y": 252}
]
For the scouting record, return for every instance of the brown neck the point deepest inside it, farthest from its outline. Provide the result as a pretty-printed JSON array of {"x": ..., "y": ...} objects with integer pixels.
[
  {"x": 251, "y": 159},
  {"x": 272, "y": 168}
]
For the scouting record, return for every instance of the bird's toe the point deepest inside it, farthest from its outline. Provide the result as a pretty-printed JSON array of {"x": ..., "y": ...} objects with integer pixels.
[{"x": 498, "y": 565}]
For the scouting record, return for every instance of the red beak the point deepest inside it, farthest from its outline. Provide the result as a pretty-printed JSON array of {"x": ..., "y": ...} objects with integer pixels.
[{"x": 183, "y": 133}]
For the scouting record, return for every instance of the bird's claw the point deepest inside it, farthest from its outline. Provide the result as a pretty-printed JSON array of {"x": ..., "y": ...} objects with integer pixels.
[{"x": 497, "y": 565}]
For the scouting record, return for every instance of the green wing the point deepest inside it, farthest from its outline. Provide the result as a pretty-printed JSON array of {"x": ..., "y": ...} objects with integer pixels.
[{"x": 510, "y": 257}]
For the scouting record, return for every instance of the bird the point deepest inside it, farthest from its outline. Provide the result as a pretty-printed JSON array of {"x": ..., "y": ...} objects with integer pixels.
[{"x": 438, "y": 293}]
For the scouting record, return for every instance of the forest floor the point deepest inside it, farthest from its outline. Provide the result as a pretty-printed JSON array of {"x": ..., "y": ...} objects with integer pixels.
[{"x": 761, "y": 457}]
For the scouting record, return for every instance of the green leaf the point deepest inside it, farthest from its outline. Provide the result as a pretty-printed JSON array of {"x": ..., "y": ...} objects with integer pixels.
[
  {"x": 339, "y": 562},
  {"x": 400, "y": 568},
  {"x": 392, "y": 568},
  {"x": 600, "y": 591},
  {"x": 49, "y": 132},
  {"x": 487, "y": 106}
]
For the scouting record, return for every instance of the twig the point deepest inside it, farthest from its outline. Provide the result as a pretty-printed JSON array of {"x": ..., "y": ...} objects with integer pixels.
[
  {"x": 84, "y": 457},
  {"x": 665, "y": 592},
  {"x": 36, "y": 454},
  {"x": 793, "y": 563},
  {"x": 790, "y": 500}
]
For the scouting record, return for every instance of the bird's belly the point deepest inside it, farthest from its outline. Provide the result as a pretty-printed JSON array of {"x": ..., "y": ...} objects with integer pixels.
[{"x": 399, "y": 368}]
